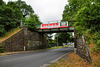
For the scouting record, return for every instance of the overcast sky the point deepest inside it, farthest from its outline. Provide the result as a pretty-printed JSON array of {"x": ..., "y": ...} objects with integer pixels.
[{"x": 47, "y": 10}]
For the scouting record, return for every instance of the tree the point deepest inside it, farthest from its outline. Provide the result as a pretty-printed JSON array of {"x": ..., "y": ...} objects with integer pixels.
[
  {"x": 49, "y": 37},
  {"x": 2, "y": 30},
  {"x": 32, "y": 22},
  {"x": 6, "y": 18},
  {"x": 10, "y": 16},
  {"x": 88, "y": 21},
  {"x": 1, "y": 49},
  {"x": 2, "y": 3},
  {"x": 17, "y": 13},
  {"x": 63, "y": 38},
  {"x": 88, "y": 18},
  {"x": 86, "y": 13},
  {"x": 24, "y": 8},
  {"x": 72, "y": 9},
  {"x": 12, "y": 13}
]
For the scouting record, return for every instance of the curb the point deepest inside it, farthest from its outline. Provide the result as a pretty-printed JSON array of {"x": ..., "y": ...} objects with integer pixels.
[
  {"x": 12, "y": 53},
  {"x": 51, "y": 62}
]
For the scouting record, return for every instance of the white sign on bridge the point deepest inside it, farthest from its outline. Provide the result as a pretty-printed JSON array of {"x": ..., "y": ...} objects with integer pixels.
[{"x": 54, "y": 25}]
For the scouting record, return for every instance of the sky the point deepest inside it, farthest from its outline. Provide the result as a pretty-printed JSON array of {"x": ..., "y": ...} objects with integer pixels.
[{"x": 47, "y": 10}]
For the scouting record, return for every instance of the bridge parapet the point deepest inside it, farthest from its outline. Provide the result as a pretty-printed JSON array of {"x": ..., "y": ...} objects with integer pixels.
[{"x": 55, "y": 27}]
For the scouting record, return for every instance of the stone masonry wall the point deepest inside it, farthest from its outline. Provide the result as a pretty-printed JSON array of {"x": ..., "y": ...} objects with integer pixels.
[
  {"x": 36, "y": 40},
  {"x": 24, "y": 40},
  {"x": 14, "y": 43},
  {"x": 82, "y": 49}
]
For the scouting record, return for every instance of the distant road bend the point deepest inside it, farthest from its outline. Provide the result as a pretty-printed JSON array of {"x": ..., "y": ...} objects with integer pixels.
[{"x": 33, "y": 59}]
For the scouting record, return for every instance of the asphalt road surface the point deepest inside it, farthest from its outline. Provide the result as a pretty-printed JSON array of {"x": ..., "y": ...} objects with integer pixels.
[{"x": 33, "y": 59}]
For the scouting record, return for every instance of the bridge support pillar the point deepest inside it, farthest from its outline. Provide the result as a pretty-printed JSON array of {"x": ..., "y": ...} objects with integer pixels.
[{"x": 43, "y": 40}]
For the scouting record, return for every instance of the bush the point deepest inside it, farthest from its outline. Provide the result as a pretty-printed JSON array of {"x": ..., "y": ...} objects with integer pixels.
[
  {"x": 96, "y": 38},
  {"x": 49, "y": 46},
  {"x": 98, "y": 44},
  {"x": 1, "y": 49},
  {"x": 2, "y": 30}
]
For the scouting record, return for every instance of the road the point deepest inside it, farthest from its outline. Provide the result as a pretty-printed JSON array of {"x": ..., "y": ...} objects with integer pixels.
[{"x": 33, "y": 59}]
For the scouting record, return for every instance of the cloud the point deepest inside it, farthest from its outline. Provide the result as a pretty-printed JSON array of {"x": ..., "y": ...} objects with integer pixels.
[{"x": 47, "y": 10}]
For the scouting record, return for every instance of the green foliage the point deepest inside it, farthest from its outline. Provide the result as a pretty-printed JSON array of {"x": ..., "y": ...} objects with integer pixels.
[
  {"x": 49, "y": 38},
  {"x": 9, "y": 33},
  {"x": 12, "y": 13},
  {"x": 17, "y": 12},
  {"x": 96, "y": 49},
  {"x": 9, "y": 17},
  {"x": 79, "y": 28},
  {"x": 98, "y": 43},
  {"x": 1, "y": 49},
  {"x": 24, "y": 8},
  {"x": 86, "y": 13},
  {"x": 32, "y": 22},
  {"x": 64, "y": 37},
  {"x": 88, "y": 17},
  {"x": 2, "y": 2},
  {"x": 72, "y": 8},
  {"x": 49, "y": 46},
  {"x": 96, "y": 38},
  {"x": 2, "y": 30}
]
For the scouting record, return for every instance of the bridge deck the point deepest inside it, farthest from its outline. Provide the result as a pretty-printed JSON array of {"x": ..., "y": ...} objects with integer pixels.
[{"x": 56, "y": 30}]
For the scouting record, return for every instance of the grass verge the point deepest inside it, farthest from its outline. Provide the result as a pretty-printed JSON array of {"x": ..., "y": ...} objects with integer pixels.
[
  {"x": 73, "y": 60},
  {"x": 9, "y": 34},
  {"x": 59, "y": 47}
]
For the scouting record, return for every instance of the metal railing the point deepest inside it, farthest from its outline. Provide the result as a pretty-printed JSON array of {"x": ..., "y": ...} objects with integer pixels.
[{"x": 70, "y": 23}]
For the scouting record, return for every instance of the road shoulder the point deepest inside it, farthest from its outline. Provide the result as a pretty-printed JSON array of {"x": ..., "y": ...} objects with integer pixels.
[{"x": 58, "y": 60}]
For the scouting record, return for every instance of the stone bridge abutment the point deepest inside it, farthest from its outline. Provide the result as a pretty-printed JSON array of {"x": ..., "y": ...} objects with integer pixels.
[
  {"x": 25, "y": 40},
  {"x": 80, "y": 47}
]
